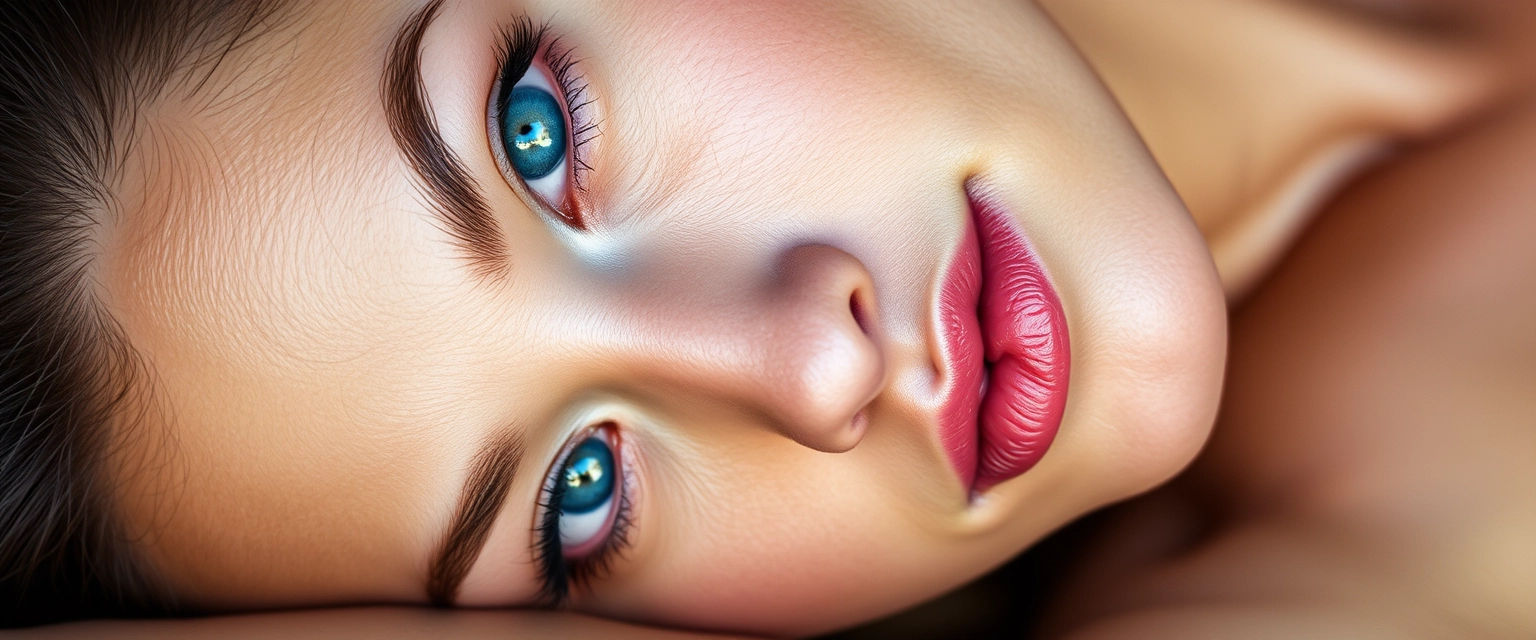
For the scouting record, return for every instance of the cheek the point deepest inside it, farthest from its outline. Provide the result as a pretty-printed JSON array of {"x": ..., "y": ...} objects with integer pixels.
[
  {"x": 785, "y": 100},
  {"x": 763, "y": 535}
]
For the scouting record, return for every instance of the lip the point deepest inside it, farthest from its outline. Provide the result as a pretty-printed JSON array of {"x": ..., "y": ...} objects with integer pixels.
[{"x": 1005, "y": 335}]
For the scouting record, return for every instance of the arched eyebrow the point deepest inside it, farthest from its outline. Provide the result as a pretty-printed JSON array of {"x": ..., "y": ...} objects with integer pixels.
[
  {"x": 455, "y": 196},
  {"x": 483, "y": 495}
]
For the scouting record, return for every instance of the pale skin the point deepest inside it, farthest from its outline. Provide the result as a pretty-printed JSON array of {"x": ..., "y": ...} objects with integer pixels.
[{"x": 358, "y": 516}]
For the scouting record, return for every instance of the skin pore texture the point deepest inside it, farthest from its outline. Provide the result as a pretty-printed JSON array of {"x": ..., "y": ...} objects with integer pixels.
[{"x": 329, "y": 363}]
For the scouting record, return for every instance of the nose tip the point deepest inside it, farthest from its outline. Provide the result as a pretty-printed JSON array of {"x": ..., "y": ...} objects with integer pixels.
[{"x": 824, "y": 362}]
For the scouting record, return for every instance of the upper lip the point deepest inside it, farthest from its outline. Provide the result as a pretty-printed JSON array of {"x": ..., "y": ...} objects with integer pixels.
[{"x": 1005, "y": 340}]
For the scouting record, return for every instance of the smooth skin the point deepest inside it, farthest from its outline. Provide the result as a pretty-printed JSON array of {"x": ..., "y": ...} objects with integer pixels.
[{"x": 323, "y": 362}]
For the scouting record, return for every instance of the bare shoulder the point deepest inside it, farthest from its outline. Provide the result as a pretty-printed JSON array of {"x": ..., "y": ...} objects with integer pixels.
[{"x": 1371, "y": 472}]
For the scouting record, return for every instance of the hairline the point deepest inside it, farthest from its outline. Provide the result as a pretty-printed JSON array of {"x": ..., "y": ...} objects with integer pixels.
[{"x": 119, "y": 383}]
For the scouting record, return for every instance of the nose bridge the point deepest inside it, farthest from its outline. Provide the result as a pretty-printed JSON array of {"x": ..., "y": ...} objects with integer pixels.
[{"x": 797, "y": 347}]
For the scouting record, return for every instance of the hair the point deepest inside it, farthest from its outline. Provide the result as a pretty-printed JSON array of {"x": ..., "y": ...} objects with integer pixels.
[{"x": 75, "y": 75}]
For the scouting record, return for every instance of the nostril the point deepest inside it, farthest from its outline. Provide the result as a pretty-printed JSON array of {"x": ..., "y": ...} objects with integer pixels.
[{"x": 857, "y": 309}]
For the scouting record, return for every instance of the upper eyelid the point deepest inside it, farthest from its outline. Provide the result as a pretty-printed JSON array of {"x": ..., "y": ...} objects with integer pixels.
[
  {"x": 553, "y": 586},
  {"x": 541, "y": 79},
  {"x": 517, "y": 48}
]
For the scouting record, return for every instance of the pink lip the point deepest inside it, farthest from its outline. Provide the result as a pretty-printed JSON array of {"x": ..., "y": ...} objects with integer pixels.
[{"x": 1006, "y": 338}]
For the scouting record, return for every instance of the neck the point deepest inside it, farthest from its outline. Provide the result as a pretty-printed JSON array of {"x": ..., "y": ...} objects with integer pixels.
[{"x": 1258, "y": 109}]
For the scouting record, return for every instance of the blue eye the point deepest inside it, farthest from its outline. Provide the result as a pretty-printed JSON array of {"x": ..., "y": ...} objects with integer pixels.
[
  {"x": 540, "y": 122},
  {"x": 587, "y": 486},
  {"x": 588, "y": 477},
  {"x": 533, "y": 132}
]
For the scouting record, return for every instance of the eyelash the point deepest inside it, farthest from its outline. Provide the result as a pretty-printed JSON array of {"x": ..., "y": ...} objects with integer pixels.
[
  {"x": 520, "y": 44},
  {"x": 556, "y": 573}
]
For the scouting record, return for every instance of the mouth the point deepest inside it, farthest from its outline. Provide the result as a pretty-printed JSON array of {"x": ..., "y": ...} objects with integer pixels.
[{"x": 1006, "y": 340}]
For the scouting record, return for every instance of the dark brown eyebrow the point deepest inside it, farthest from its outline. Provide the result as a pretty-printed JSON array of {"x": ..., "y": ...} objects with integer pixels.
[
  {"x": 455, "y": 196},
  {"x": 484, "y": 492},
  {"x": 457, "y": 200}
]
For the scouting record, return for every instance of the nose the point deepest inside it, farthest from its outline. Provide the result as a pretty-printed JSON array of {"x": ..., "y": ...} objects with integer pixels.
[
  {"x": 801, "y": 350},
  {"x": 823, "y": 364}
]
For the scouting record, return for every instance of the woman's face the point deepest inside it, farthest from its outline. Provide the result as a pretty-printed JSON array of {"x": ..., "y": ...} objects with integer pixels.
[{"x": 703, "y": 379}]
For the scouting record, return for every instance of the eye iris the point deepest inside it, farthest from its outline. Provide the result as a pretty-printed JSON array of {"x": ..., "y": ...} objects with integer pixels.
[
  {"x": 588, "y": 482},
  {"x": 533, "y": 132}
]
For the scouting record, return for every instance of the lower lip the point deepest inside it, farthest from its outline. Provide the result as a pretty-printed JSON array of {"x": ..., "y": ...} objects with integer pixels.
[{"x": 1006, "y": 338}]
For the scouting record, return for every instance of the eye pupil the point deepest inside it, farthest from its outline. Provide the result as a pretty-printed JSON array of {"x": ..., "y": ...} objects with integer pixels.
[{"x": 533, "y": 132}]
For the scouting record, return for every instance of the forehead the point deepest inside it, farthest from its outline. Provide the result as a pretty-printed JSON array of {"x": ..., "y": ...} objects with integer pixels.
[{"x": 248, "y": 268}]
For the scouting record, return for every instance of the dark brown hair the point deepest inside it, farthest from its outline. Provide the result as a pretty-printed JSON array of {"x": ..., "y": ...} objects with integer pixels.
[{"x": 74, "y": 76}]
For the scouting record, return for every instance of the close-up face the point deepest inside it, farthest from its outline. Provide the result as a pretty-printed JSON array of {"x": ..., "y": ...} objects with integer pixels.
[{"x": 759, "y": 316}]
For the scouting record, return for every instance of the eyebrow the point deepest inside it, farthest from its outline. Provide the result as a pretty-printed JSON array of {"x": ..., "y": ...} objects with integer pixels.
[
  {"x": 455, "y": 196},
  {"x": 484, "y": 492}
]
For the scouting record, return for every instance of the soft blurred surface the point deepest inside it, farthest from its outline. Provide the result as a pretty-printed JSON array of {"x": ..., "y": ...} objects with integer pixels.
[
  {"x": 367, "y": 622},
  {"x": 1006, "y": 603}
]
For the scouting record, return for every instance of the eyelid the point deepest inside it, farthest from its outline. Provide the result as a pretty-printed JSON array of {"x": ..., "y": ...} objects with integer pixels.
[{"x": 538, "y": 77}]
